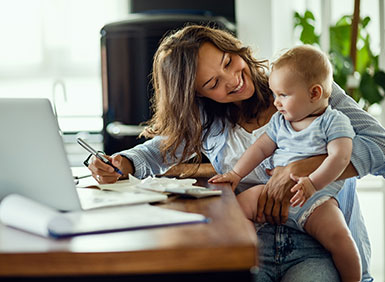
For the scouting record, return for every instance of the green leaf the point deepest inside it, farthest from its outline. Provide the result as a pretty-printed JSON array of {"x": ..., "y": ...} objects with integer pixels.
[
  {"x": 356, "y": 95},
  {"x": 379, "y": 78},
  {"x": 342, "y": 67},
  {"x": 306, "y": 24},
  {"x": 340, "y": 39},
  {"x": 365, "y": 21},
  {"x": 339, "y": 53},
  {"x": 345, "y": 20},
  {"x": 309, "y": 15},
  {"x": 308, "y": 35},
  {"x": 369, "y": 89},
  {"x": 363, "y": 60},
  {"x": 297, "y": 19}
]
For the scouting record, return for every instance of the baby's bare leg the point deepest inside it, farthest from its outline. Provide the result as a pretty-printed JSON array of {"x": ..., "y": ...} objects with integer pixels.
[
  {"x": 327, "y": 225},
  {"x": 248, "y": 201}
]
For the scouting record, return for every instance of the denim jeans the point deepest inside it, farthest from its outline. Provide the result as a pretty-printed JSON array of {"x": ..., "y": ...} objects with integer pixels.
[
  {"x": 286, "y": 254},
  {"x": 291, "y": 255}
]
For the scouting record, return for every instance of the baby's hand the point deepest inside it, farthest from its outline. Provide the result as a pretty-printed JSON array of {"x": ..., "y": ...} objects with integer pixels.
[
  {"x": 303, "y": 190},
  {"x": 230, "y": 177}
]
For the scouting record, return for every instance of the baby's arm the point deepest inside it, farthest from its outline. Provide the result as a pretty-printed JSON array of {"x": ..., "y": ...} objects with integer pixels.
[
  {"x": 339, "y": 152},
  {"x": 262, "y": 148},
  {"x": 231, "y": 177}
]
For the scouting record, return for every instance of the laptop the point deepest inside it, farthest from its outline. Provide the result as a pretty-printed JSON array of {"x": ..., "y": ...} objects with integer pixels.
[{"x": 34, "y": 164}]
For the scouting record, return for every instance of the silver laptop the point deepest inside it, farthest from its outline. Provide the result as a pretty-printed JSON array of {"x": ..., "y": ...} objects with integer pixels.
[{"x": 33, "y": 161}]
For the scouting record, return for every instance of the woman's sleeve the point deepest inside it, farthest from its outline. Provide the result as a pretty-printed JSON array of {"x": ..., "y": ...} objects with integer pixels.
[
  {"x": 368, "y": 154},
  {"x": 349, "y": 205},
  {"x": 147, "y": 158}
]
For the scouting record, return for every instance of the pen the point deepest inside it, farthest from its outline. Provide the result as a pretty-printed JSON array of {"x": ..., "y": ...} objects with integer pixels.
[{"x": 97, "y": 154}]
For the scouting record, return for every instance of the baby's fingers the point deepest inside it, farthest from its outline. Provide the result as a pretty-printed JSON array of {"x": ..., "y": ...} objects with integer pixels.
[
  {"x": 218, "y": 178},
  {"x": 297, "y": 198},
  {"x": 303, "y": 202},
  {"x": 215, "y": 177},
  {"x": 296, "y": 187}
]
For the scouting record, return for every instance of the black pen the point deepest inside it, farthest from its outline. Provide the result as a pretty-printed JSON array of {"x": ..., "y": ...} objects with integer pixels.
[{"x": 97, "y": 154}]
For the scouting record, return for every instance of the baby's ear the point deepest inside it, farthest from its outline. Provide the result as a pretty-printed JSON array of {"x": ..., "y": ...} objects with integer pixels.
[{"x": 316, "y": 92}]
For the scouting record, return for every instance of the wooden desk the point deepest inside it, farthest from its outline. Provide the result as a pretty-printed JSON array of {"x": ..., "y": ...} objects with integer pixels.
[{"x": 226, "y": 243}]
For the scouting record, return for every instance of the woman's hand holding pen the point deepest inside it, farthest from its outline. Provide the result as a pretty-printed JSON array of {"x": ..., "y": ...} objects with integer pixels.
[{"x": 104, "y": 173}]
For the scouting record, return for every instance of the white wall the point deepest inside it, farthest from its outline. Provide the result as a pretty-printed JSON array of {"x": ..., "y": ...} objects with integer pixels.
[{"x": 265, "y": 25}]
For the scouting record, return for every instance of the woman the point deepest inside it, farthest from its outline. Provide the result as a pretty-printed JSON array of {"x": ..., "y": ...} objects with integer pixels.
[{"x": 212, "y": 96}]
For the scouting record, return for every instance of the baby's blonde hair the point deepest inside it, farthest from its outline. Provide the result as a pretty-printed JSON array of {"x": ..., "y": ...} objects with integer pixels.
[{"x": 310, "y": 63}]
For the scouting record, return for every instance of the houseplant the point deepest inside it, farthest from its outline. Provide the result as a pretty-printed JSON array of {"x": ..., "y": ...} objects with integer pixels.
[{"x": 370, "y": 79}]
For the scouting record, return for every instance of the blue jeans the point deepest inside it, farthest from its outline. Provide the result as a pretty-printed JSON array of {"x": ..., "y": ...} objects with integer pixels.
[{"x": 286, "y": 254}]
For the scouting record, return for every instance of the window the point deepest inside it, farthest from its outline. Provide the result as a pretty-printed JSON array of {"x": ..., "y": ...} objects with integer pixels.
[{"x": 51, "y": 49}]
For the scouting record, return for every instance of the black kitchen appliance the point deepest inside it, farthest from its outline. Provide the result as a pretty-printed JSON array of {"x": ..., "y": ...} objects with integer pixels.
[{"x": 127, "y": 50}]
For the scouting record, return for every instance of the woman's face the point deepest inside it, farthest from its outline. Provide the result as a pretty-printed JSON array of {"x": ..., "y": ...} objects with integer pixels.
[{"x": 222, "y": 77}]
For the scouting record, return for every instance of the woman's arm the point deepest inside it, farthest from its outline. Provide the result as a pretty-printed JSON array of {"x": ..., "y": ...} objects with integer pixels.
[
  {"x": 368, "y": 155},
  {"x": 147, "y": 158},
  {"x": 338, "y": 157},
  {"x": 275, "y": 203},
  {"x": 339, "y": 153},
  {"x": 181, "y": 170},
  {"x": 143, "y": 160}
]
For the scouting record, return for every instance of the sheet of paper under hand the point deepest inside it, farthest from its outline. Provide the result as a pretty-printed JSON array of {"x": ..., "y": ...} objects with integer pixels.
[
  {"x": 159, "y": 184},
  {"x": 162, "y": 184}
]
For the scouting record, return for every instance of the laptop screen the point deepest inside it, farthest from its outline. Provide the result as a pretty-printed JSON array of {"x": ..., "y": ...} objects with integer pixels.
[{"x": 33, "y": 161}]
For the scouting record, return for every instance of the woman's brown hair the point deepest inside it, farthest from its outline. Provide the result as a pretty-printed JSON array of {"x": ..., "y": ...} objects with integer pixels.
[{"x": 177, "y": 109}]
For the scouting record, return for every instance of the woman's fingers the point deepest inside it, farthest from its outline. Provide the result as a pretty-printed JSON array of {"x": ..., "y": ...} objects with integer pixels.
[
  {"x": 116, "y": 161},
  {"x": 103, "y": 173},
  {"x": 294, "y": 177},
  {"x": 106, "y": 178},
  {"x": 261, "y": 204},
  {"x": 99, "y": 167}
]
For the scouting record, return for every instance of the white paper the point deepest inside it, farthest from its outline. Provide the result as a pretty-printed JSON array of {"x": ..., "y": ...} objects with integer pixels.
[
  {"x": 120, "y": 218},
  {"x": 94, "y": 198},
  {"x": 159, "y": 184},
  {"x": 25, "y": 214}
]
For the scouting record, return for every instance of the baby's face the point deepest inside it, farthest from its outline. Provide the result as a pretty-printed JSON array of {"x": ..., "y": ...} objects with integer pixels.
[{"x": 291, "y": 94}]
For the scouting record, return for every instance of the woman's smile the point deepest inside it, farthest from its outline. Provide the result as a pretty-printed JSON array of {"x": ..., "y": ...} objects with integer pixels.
[{"x": 240, "y": 86}]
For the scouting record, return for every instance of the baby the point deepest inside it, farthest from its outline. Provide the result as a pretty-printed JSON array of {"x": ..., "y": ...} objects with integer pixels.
[{"x": 304, "y": 126}]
